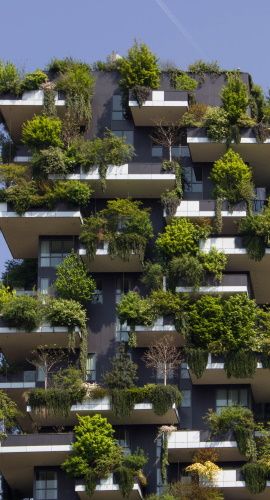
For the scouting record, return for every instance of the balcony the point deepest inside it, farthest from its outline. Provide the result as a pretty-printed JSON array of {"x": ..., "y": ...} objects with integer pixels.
[
  {"x": 10, "y": 338},
  {"x": 148, "y": 335},
  {"x": 256, "y": 154},
  {"x": 136, "y": 180},
  {"x": 239, "y": 261},
  {"x": 20, "y": 454},
  {"x": 161, "y": 106},
  {"x": 215, "y": 374},
  {"x": 107, "y": 489},
  {"x": 16, "y": 111},
  {"x": 229, "y": 284},
  {"x": 22, "y": 232},
  {"x": 104, "y": 263},
  {"x": 142, "y": 414},
  {"x": 183, "y": 444},
  {"x": 231, "y": 483}
]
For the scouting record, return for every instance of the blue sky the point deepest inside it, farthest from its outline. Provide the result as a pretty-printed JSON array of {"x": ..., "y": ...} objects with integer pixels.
[{"x": 235, "y": 33}]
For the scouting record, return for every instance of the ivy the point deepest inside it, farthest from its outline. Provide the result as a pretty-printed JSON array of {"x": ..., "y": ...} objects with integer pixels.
[
  {"x": 240, "y": 364},
  {"x": 197, "y": 360},
  {"x": 255, "y": 230},
  {"x": 255, "y": 476}
]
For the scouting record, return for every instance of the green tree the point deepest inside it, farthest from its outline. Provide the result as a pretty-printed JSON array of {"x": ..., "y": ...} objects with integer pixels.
[
  {"x": 206, "y": 321},
  {"x": 135, "y": 310},
  {"x": 72, "y": 280},
  {"x": 10, "y": 79},
  {"x": 235, "y": 97},
  {"x": 20, "y": 273},
  {"x": 181, "y": 237},
  {"x": 41, "y": 132},
  {"x": 22, "y": 312},
  {"x": 140, "y": 67},
  {"x": 8, "y": 413},
  {"x": 32, "y": 81},
  {"x": 123, "y": 373}
]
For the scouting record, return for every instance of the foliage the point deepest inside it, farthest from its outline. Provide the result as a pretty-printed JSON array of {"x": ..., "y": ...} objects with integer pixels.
[
  {"x": 63, "y": 312},
  {"x": 6, "y": 295},
  {"x": 123, "y": 373},
  {"x": 110, "y": 150},
  {"x": 255, "y": 476},
  {"x": 41, "y": 132},
  {"x": 197, "y": 360},
  {"x": 194, "y": 117},
  {"x": 193, "y": 490},
  {"x": 234, "y": 97},
  {"x": 184, "y": 82},
  {"x": 22, "y": 312},
  {"x": 72, "y": 280},
  {"x": 216, "y": 122},
  {"x": 10, "y": 80},
  {"x": 53, "y": 160},
  {"x": 140, "y": 67},
  {"x": 163, "y": 356},
  {"x": 153, "y": 276},
  {"x": 165, "y": 303},
  {"x": 140, "y": 93},
  {"x": 20, "y": 273},
  {"x": 232, "y": 178},
  {"x": 67, "y": 389},
  {"x": 130, "y": 468},
  {"x": 63, "y": 65},
  {"x": 8, "y": 413},
  {"x": 32, "y": 81},
  {"x": 206, "y": 472},
  {"x": 23, "y": 196},
  {"x": 240, "y": 421},
  {"x": 256, "y": 233},
  {"x": 186, "y": 270},
  {"x": 45, "y": 358},
  {"x": 12, "y": 173},
  {"x": 74, "y": 192},
  {"x": 163, "y": 397},
  {"x": 181, "y": 237},
  {"x": 201, "y": 67},
  {"x": 123, "y": 224},
  {"x": 170, "y": 200},
  {"x": 214, "y": 262},
  {"x": 240, "y": 364},
  {"x": 49, "y": 94},
  {"x": 95, "y": 453},
  {"x": 135, "y": 310}
]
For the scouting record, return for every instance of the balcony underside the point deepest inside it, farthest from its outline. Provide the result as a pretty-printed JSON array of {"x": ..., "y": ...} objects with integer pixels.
[
  {"x": 227, "y": 451},
  {"x": 145, "y": 338},
  {"x": 139, "y": 416},
  {"x": 217, "y": 376},
  {"x": 259, "y": 274},
  {"x": 22, "y": 232},
  {"x": 151, "y": 113},
  {"x": 17, "y": 463},
  {"x": 16, "y": 111},
  {"x": 10, "y": 338},
  {"x": 107, "y": 492},
  {"x": 104, "y": 263},
  {"x": 240, "y": 492}
]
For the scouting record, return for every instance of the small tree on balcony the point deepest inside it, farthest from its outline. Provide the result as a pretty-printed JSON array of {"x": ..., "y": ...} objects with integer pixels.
[
  {"x": 72, "y": 280},
  {"x": 42, "y": 131},
  {"x": 8, "y": 413},
  {"x": 166, "y": 136},
  {"x": 163, "y": 357},
  {"x": 139, "y": 68},
  {"x": 123, "y": 373},
  {"x": 46, "y": 358}
]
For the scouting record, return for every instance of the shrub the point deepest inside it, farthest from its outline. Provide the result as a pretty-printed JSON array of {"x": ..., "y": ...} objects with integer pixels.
[
  {"x": 10, "y": 80},
  {"x": 194, "y": 117},
  {"x": 53, "y": 160},
  {"x": 41, "y": 132},
  {"x": 63, "y": 312},
  {"x": 186, "y": 270},
  {"x": 170, "y": 200},
  {"x": 216, "y": 122},
  {"x": 234, "y": 97},
  {"x": 184, "y": 82},
  {"x": 23, "y": 196},
  {"x": 140, "y": 93},
  {"x": 214, "y": 262},
  {"x": 22, "y": 312},
  {"x": 20, "y": 273},
  {"x": 197, "y": 360},
  {"x": 256, "y": 233},
  {"x": 8, "y": 413},
  {"x": 72, "y": 281},
  {"x": 75, "y": 192},
  {"x": 255, "y": 476},
  {"x": 135, "y": 310},
  {"x": 181, "y": 237},
  {"x": 240, "y": 364},
  {"x": 6, "y": 295},
  {"x": 32, "y": 81},
  {"x": 163, "y": 397},
  {"x": 153, "y": 276},
  {"x": 123, "y": 373},
  {"x": 206, "y": 321},
  {"x": 165, "y": 303},
  {"x": 140, "y": 67},
  {"x": 200, "y": 67}
]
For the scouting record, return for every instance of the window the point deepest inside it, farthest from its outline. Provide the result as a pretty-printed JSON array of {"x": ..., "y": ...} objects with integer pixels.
[
  {"x": 157, "y": 151},
  {"x": 91, "y": 367},
  {"x": 44, "y": 286},
  {"x": 46, "y": 485},
  {"x": 122, "y": 436},
  {"x": 98, "y": 295},
  {"x": 160, "y": 373},
  {"x": 184, "y": 373},
  {"x": 231, "y": 397},
  {"x": 176, "y": 151},
  {"x": 52, "y": 252},
  {"x": 117, "y": 108},
  {"x": 193, "y": 179},
  {"x": 180, "y": 151},
  {"x": 186, "y": 401},
  {"x": 125, "y": 134}
]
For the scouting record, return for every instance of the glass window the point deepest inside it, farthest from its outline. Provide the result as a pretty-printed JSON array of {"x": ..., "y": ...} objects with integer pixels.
[
  {"x": 91, "y": 367},
  {"x": 193, "y": 179},
  {"x": 125, "y": 134},
  {"x": 117, "y": 108},
  {"x": 52, "y": 252},
  {"x": 184, "y": 373},
  {"x": 157, "y": 151},
  {"x": 44, "y": 286},
  {"x": 186, "y": 401},
  {"x": 176, "y": 151},
  {"x": 46, "y": 485},
  {"x": 231, "y": 397}
]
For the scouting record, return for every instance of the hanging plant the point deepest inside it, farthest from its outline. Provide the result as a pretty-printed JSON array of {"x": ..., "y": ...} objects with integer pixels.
[
  {"x": 218, "y": 216},
  {"x": 240, "y": 364},
  {"x": 170, "y": 201},
  {"x": 255, "y": 476},
  {"x": 197, "y": 360}
]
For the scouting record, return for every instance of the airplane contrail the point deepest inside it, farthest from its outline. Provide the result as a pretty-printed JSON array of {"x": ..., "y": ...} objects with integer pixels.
[{"x": 180, "y": 27}]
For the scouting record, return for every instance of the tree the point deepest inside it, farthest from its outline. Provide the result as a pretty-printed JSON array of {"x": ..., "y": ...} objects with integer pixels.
[
  {"x": 46, "y": 357},
  {"x": 166, "y": 136},
  {"x": 140, "y": 67},
  {"x": 42, "y": 131},
  {"x": 8, "y": 413},
  {"x": 235, "y": 97},
  {"x": 123, "y": 373},
  {"x": 72, "y": 280},
  {"x": 180, "y": 237},
  {"x": 20, "y": 273},
  {"x": 163, "y": 356}
]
